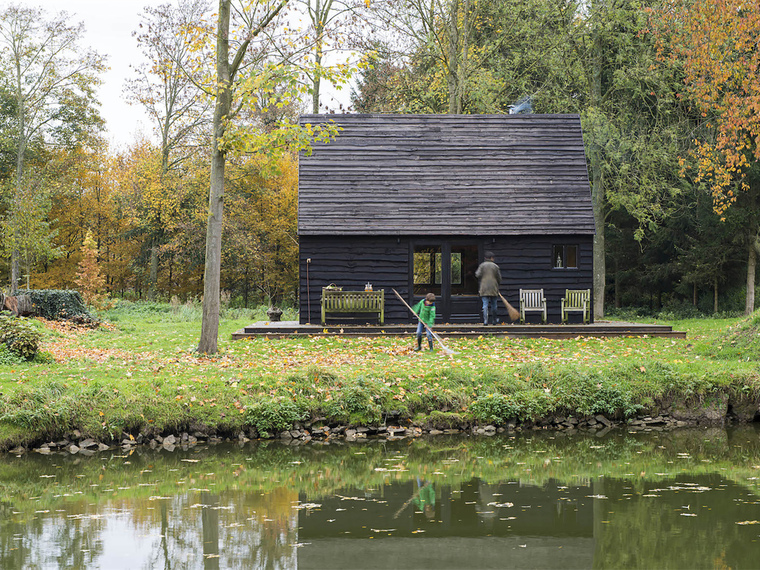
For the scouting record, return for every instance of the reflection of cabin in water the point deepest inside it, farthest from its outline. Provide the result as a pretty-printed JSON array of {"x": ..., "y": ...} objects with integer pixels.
[
  {"x": 413, "y": 202},
  {"x": 478, "y": 525}
]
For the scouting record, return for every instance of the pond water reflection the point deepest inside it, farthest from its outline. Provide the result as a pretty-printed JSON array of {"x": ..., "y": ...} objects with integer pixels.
[{"x": 682, "y": 499}]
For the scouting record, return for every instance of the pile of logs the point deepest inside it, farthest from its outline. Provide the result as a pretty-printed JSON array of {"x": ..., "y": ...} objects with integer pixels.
[{"x": 20, "y": 305}]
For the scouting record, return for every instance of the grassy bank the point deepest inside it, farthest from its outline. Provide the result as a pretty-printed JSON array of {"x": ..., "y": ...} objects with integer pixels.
[{"x": 139, "y": 374}]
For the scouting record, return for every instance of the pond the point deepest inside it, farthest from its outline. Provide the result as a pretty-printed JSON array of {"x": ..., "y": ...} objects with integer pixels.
[{"x": 677, "y": 499}]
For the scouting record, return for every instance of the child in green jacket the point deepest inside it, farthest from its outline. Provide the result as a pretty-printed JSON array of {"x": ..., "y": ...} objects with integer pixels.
[{"x": 425, "y": 310}]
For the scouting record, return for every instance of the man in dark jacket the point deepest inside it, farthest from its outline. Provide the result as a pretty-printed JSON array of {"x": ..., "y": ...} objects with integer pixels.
[{"x": 489, "y": 275}]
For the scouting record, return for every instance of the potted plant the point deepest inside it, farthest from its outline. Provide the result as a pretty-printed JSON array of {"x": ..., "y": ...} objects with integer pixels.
[{"x": 274, "y": 313}]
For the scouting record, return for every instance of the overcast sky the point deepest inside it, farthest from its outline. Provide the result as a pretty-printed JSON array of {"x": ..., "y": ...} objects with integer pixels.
[{"x": 108, "y": 30}]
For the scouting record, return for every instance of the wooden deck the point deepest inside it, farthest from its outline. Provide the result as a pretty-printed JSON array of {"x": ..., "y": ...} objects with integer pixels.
[{"x": 286, "y": 329}]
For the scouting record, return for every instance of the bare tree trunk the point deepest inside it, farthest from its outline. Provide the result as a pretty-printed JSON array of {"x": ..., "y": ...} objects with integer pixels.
[
  {"x": 597, "y": 189},
  {"x": 319, "y": 28},
  {"x": 212, "y": 271},
  {"x": 21, "y": 151},
  {"x": 453, "y": 63},
  {"x": 15, "y": 272},
  {"x": 749, "y": 306},
  {"x": 715, "y": 295},
  {"x": 153, "y": 273}
]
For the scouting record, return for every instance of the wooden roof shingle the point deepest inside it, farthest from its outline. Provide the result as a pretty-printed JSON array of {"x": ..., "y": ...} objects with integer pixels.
[{"x": 446, "y": 175}]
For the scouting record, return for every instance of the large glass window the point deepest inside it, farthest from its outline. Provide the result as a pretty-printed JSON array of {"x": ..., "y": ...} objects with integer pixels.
[
  {"x": 565, "y": 257},
  {"x": 464, "y": 264},
  {"x": 428, "y": 269}
]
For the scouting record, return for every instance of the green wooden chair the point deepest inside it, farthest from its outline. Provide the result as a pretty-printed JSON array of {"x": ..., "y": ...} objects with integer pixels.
[{"x": 577, "y": 301}]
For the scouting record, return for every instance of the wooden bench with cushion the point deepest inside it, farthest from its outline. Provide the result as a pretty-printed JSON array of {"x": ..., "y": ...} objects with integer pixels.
[
  {"x": 576, "y": 301},
  {"x": 532, "y": 301},
  {"x": 335, "y": 301}
]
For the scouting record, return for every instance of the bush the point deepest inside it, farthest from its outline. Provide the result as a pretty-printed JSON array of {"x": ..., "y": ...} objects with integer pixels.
[
  {"x": 361, "y": 402},
  {"x": 498, "y": 408},
  {"x": 274, "y": 415},
  {"x": 589, "y": 394},
  {"x": 60, "y": 304},
  {"x": 7, "y": 357},
  {"x": 19, "y": 336}
]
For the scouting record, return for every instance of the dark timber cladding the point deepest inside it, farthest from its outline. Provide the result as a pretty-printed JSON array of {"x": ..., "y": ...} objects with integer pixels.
[{"x": 394, "y": 192}]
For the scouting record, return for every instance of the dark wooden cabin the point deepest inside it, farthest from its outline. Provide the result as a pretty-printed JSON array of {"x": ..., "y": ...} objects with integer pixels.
[{"x": 412, "y": 202}]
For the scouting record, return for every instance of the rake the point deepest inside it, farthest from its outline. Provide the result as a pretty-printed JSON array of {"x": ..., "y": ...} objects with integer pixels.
[{"x": 446, "y": 349}]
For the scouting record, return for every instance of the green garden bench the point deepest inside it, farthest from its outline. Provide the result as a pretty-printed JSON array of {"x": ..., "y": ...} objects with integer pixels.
[
  {"x": 335, "y": 301},
  {"x": 576, "y": 301},
  {"x": 532, "y": 301}
]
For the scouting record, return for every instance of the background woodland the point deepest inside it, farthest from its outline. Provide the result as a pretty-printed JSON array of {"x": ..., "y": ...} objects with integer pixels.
[{"x": 668, "y": 92}]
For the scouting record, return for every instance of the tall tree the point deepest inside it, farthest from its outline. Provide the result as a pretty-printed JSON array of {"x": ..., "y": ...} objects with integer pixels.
[
  {"x": 51, "y": 80},
  {"x": 168, "y": 89},
  {"x": 331, "y": 23},
  {"x": 634, "y": 124},
  {"x": 591, "y": 58},
  {"x": 245, "y": 68},
  {"x": 26, "y": 232},
  {"x": 226, "y": 71},
  {"x": 716, "y": 42},
  {"x": 439, "y": 31},
  {"x": 474, "y": 56},
  {"x": 249, "y": 67}
]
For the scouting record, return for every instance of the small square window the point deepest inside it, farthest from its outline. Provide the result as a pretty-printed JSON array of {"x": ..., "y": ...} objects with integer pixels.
[{"x": 565, "y": 257}]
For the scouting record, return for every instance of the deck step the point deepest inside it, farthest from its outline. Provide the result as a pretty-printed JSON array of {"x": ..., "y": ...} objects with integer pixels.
[{"x": 602, "y": 329}]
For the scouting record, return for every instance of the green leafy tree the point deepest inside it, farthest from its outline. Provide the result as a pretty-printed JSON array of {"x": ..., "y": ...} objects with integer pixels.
[
  {"x": 595, "y": 59},
  {"x": 333, "y": 25},
  {"x": 50, "y": 80},
  {"x": 248, "y": 67},
  {"x": 25, "y": 228}
]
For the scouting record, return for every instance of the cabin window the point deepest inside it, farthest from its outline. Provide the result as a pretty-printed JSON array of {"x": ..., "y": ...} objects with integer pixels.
[
  {"x": 565, "y": 257},
  {"x": 464, "y": 264},
  {"x": 428, "y": 269}
]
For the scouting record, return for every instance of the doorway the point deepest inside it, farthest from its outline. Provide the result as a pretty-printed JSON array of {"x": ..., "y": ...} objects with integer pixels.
[{"x": 447, "y": 268}]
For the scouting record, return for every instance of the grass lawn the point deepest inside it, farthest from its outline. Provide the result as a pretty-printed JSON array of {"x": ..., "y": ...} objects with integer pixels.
[{"x": 140, "y": 373}]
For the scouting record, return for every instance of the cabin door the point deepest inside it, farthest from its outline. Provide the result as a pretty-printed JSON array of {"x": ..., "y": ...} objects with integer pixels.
[{"x": 447, "y": 268}]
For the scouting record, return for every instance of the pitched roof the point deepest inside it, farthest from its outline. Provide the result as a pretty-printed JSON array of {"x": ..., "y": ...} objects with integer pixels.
[{"x": 446, "y": 175}]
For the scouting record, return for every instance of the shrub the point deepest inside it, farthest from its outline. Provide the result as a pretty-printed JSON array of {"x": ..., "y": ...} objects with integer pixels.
[
  {"x": 7, "y": 357},
  {"x": 498, "y": 408},
  {"x": 48, "y": 406},
  {"x": 274, "y": 415},
  {"x": 357, "y": 403},
  {"x": 60, "y": 304},
  {"x": 19, "y": 336},
  {"x": 589, "y": 394}
]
